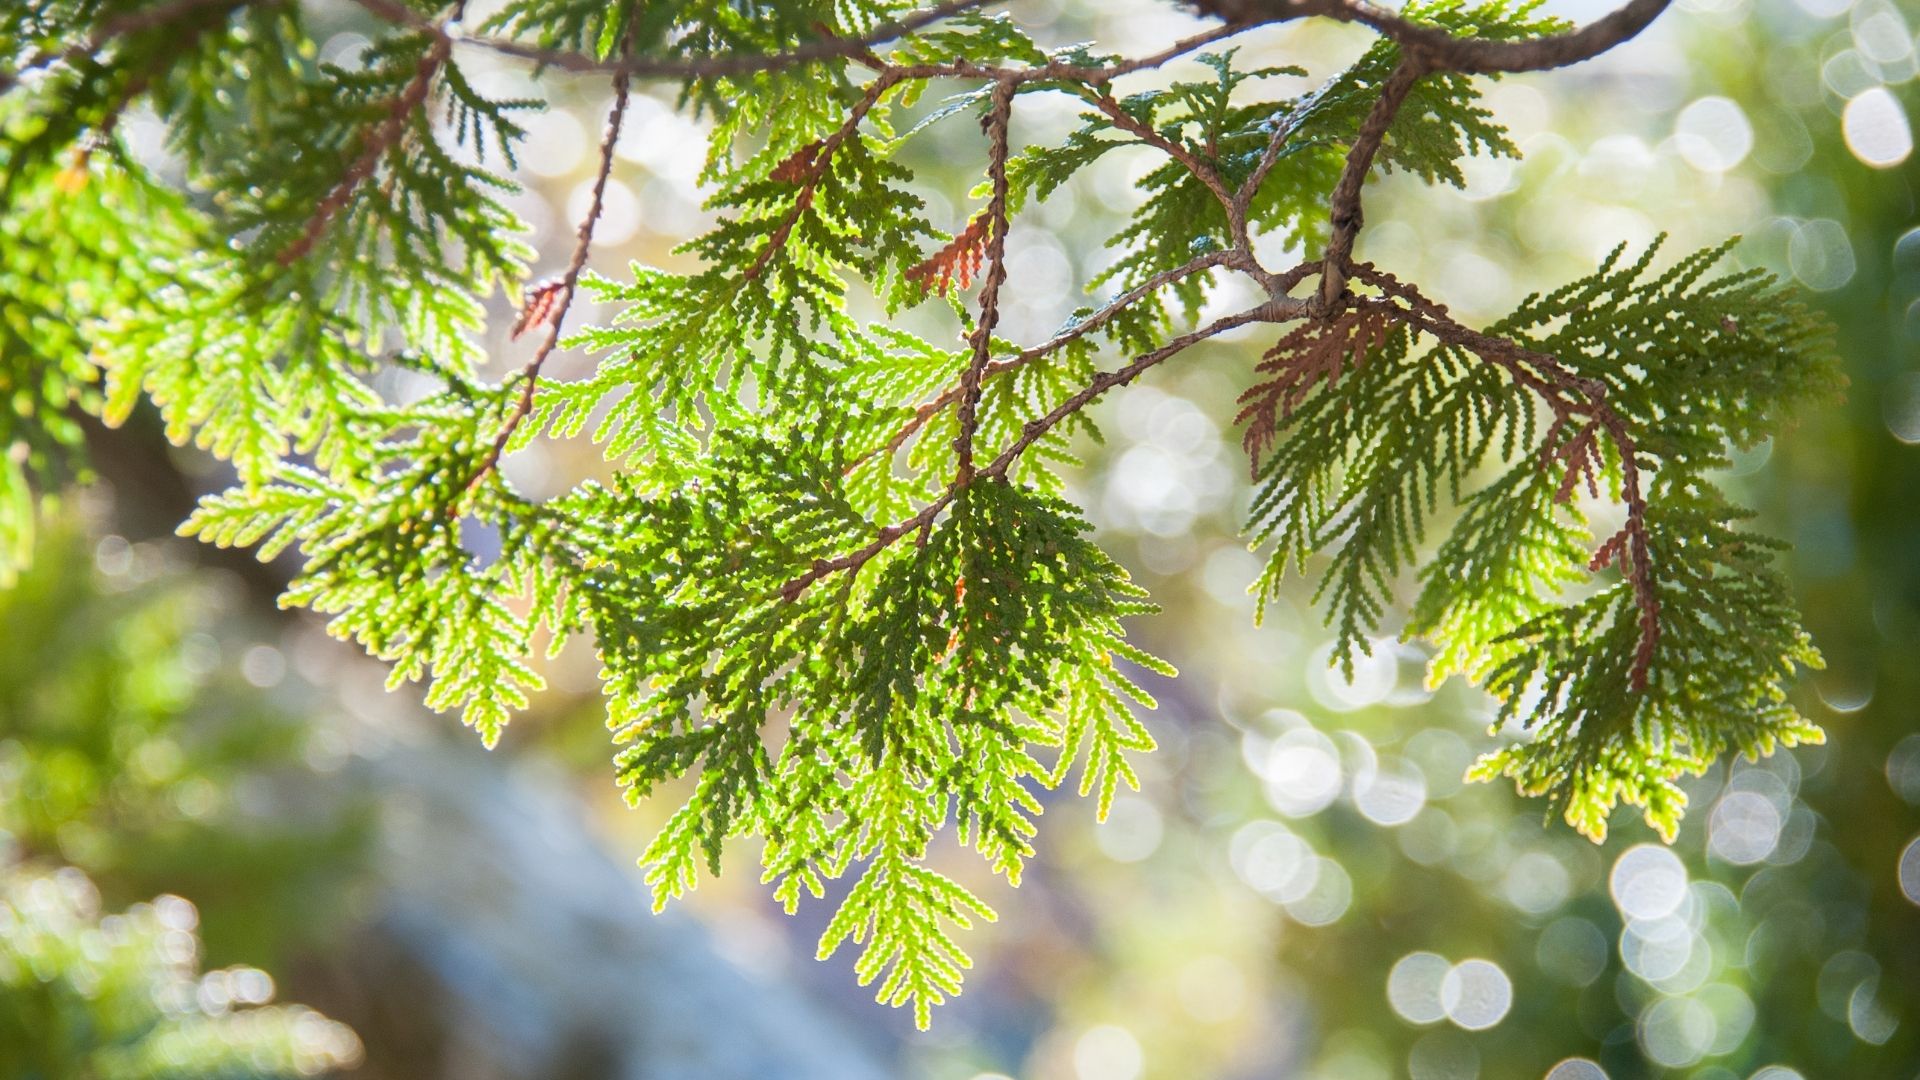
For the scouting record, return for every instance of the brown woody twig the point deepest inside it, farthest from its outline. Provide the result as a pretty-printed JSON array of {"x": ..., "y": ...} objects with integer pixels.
[
  {"x": 381, "y": 139},
  {"x": 1468, "y": 55},
  {"x": 1201, "y": 170},
  {"x": 998, "y": 119},
  {"x": 549, "y": 303},
  {"x": 1346, "y": 214},
  {"x": 1569, "y": 395},
  {"x": 1271, "y": 311}
]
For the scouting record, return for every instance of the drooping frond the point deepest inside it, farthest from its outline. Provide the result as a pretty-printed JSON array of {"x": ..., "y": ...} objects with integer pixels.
[{"x": 1358, "y": 441}]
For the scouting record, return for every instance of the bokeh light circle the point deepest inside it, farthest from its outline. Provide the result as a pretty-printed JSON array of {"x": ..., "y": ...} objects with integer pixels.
[
  {"x": 1107, "y": 1052},
  {"x": 1327, "y": 898},
  {"x": 1572, "y": 950},
  {"x": 1676, "y": 1031},
  {"x": 1476, "y": 994},
  {"x": 1656, "y": 949},
  {"x": 1391, "y": 793},
  {"x": 1274, "y": 862},
  {"x": 1375, "y": 671},
  {"x": 1876, "y": 128},
  {"x": 1903, "y": 763},
  {"x": 1821, "y": 255},
  {"x": 1301, "y": 769},
  {"x": 1132, "y": 830},
  {"x": 1745, "y": 827},
  {"x": 1910, "y": 870},
  {"x": 1733, "y": 1013},
  {"x": 1536, "y": 883},
  {"x": 1881, "y": 34},
  {"x": 1648, "y": 882},
  {"x": 1413, "y": 987},
  {"x": 1713, "y": 134}
]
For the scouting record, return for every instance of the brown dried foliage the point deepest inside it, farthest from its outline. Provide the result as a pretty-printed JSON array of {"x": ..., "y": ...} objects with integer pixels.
[
  {"x": 1317, "y": 353},
  {"x": 541, "y": 305},
  {"x": 1579, "y": 456},
  {"x": 959, "y": 261},
  {"x": 797, "y": 167}
]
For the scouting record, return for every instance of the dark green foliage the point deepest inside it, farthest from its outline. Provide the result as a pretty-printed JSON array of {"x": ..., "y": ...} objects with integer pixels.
[
  {"x": 910, "y": 693},
  {"x": 1387, "y": 434},
  {"x": 1730, "y": 636},
  {"x": 817, "y": 626},
  {"x": 1371, "y": 455}
]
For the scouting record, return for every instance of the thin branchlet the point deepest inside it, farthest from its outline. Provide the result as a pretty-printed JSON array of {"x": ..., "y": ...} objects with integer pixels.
[
  {"x": 381, "y": 138},
  {"x": 1202, "y": 170},
  {"x": 1106, "y": 314},
  {"x": 821, "y": 160},
  {"x": 999, "y": 116},
  {"x": 1030, "y": 433},
  {"x": 1569, "y": 396},
  {"x": 1346, "y": 214},
  {"x": 549, "y": 304}
]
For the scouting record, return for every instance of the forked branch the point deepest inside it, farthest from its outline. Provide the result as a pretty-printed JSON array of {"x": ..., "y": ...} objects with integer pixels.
[
  {"x": 1106, "y": 314},
  {"x": 1571, "y": 397},
  {"x": 382, "y": 138},
  {"x": 1450, "y": 52},
  {"x": 1272, "y": 311}
]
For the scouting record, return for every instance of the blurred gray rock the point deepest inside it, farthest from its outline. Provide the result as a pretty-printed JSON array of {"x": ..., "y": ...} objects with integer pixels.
[{"x": 500, "y": 944}]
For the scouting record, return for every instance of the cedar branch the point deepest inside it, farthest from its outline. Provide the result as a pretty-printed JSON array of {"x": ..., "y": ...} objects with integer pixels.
[
  {"x": 384, "y": 135},
  {"x": 1568, "y": 394},
  {"x": 1271, "y": 311},
  {"x": 554, "y": 308},
  {"x": 998, "y": 120}
]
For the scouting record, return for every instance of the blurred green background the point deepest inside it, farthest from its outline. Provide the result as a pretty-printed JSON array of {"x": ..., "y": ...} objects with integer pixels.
[{"x": 1304, "y": 887}]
